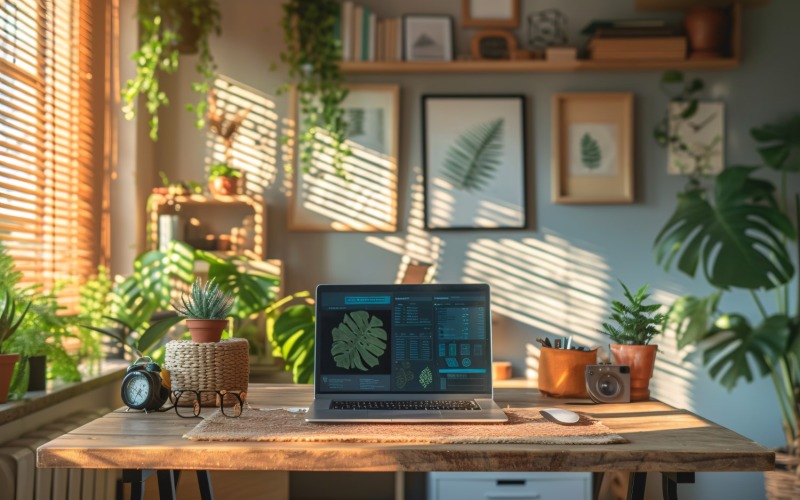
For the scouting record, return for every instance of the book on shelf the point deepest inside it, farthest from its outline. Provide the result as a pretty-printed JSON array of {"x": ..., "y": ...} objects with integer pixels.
[
  {"x": 593, "y": 26},
  {"x": 346, "y": 29},
  {"x": 366, "y": 37}
]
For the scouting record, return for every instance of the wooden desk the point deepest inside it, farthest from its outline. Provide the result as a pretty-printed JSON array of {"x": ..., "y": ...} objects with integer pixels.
[{"x": 662, "y": 439}]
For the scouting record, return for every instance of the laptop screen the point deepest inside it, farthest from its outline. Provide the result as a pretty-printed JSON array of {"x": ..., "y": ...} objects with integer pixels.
[{"x": 403, "y": 339}]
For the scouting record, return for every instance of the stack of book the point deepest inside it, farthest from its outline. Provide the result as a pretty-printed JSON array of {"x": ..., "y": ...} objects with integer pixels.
[
  {"x": 367, "y": 38},
  {"x": 636, "y": 39}
]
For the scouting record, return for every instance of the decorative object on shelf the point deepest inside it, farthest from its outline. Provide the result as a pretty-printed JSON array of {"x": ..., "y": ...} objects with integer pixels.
[
  {"x": 142, "y": 387},
  {"x": 474, "y": 161},
  {"x": 206, "y": 310},
  {"x": 740, "y": 230},
  {"x": 593, "y": 148},
  {"x": 208, "y": 366},
  {"x": 562, "y": 372},
  {"x": 691, "y": 130},
  {"x": 313, "y": 52},
  {"x": 632, "y": 328},
  {"x": 162, "y": 25},
  {"x": 547, "y": 28},
  {"x": 368, "y": 200},
  {"x": 493, "y": 44},
  {"x": 428, "y": 38},
  {"x": 223, "y": 180},
  {"x": 561, "y": 54},
  {"x": 707, "y": 29},
  {"x": 490, "y": 13}
]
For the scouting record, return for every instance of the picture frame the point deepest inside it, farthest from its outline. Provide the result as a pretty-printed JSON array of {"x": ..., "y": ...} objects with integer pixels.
[
  {"x": 366, "y": 200},
  {"x": 593, "y": 148},
  {"x": 490, "y": 14},
  {"x": 699, "y": 140},
  {"x": 427, "y": 37},
  {"x": 474, "y": 161}
]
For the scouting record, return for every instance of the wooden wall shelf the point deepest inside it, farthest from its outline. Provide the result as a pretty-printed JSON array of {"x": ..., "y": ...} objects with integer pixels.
[{"x": 534, "y": 66}]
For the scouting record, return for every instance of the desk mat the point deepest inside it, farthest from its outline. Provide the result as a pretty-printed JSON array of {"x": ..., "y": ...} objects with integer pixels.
[{"x": 525, "y": 426}]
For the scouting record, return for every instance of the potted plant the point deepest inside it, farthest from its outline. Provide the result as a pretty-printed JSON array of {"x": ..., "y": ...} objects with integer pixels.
[
  {"x": 313, "y": 52},
  {"x": 206, "y": 310},
  {"x": 10, "y": 320},
  {"x": 223, "y": 179},
  {"x": 737, "y": 229},
  {"x": 634, "y": 326},
  {"x": 165, "y": 27}
]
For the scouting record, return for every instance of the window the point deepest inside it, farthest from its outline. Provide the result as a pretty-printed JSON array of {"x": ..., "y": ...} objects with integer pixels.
[{"x": 50, "y": 174}]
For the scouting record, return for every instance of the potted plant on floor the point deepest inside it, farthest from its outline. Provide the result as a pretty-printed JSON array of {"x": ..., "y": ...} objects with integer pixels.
[
  {"x": 206, "y": 310},
  {"x": 168, "y": 28},
  {"x": 634, "y": 326},
  {"x": 737, "y": 229}
]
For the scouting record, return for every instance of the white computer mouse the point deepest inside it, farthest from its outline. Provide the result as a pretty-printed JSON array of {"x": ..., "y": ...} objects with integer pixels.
[{"x": 560, "y": 416}]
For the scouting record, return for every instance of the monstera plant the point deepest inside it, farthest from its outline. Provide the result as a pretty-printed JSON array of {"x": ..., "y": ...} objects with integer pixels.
[{"x": 738, "y": 233}]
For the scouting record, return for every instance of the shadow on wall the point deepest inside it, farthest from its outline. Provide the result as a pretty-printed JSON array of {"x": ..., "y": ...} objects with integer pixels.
[
  {"x": 417, "y": 245},
  {"x": 559, "y": 290},
  {"x": 255, "y": 147}
]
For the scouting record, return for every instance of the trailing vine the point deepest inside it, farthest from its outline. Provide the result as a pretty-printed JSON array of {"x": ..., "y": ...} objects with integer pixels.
[
  {"x": 312, "y": 53},
  {"x": 160, "y": 35}
]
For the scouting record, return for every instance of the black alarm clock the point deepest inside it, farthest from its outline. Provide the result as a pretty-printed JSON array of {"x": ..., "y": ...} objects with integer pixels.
[{"x": 142, "y": 388}]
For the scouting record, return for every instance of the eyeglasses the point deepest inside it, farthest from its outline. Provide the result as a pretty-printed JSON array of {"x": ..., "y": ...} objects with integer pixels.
[{"x": 189, "y": 403}]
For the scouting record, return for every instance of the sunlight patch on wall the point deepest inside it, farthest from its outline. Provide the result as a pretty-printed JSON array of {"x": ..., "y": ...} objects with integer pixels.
[
  {"x": 255, "y": 146},
  {"x": 417, "y": 245}
]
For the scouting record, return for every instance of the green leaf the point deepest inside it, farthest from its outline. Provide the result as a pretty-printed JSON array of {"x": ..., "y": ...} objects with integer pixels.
[
  {"x": 738, "y": 241},
  {"x": 692, "y": 317},
  {"x": 293, "y": 334},
  {"x": 781, "y": 149},
  {"x": 591, "y": 155},
  {"x": 471, "y": 162},
  {"x": 156, "y": 332},
  {"x": 358, "y": 341},
  {"x": 672, "y": 76}
]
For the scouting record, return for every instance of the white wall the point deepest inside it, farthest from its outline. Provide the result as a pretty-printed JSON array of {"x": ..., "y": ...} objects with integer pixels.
[{"x": 571, "y": 257}]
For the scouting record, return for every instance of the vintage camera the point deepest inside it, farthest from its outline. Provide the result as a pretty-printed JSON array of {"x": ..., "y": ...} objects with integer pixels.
[{"x": 609, "y": 383}]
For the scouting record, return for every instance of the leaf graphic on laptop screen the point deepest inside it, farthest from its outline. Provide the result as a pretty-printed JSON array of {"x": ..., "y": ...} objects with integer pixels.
[{"x": 358, "y": 341}]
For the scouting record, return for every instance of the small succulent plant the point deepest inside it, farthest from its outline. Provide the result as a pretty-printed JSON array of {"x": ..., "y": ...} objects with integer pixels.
[{"x": 206, "y": 301}]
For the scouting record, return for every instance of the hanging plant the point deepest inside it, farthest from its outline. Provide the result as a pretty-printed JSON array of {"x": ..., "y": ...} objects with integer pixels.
[
  {"x": 168, "y": 28},
  {"x": 313, "y": 51}
]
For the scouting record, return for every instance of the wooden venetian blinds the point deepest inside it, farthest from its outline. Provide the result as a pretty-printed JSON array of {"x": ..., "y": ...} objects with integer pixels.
[{"x": 49, "y": 202}]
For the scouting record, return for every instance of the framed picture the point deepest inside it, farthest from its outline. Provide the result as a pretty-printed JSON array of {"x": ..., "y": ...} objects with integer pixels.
[
  {"x": 699, "y": 139},
  {"x": 428, "y": 38},
  {"x": 593, "y": 148},
  {"x": 366, "y": 200},
  {"x": 474, "y": 161},
  {"x": 490, "y": 13}
]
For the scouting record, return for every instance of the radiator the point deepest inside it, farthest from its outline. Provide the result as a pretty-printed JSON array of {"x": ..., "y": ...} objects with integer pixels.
[{"x": 21, "y": 480}]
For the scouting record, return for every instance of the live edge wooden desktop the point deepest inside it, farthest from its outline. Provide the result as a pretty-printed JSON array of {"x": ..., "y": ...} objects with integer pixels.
[{"x": 663, "y": 439}]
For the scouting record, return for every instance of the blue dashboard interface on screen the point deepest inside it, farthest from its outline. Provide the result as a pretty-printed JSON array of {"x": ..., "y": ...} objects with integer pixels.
[{"x": 403, "y": 341}]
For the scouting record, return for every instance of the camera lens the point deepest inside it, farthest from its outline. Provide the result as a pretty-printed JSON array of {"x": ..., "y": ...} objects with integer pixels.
[{"x": 608, "y": 385}]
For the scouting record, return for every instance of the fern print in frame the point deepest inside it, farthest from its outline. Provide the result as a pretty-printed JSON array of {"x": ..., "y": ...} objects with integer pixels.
[
  {"x": 359, "y": 341},
  {"x": 593, "y": 149},
  {"x": 475, "y": 157},
  {"x": 474, "y": 161},
  {"x": 590, "y": 152}
]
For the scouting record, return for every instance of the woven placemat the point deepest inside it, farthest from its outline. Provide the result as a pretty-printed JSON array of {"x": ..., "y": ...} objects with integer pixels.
[{"x": 525, "y": 426}]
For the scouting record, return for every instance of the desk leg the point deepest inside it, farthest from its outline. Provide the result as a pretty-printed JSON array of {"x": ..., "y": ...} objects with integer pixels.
[
  {"x": 204, "y": 481},
  {"x": 669, "y": 483},
  {"x": 166, "y": 485},
  {"x": 137, "y": 478},
  {"x": 636, "y": 485}
]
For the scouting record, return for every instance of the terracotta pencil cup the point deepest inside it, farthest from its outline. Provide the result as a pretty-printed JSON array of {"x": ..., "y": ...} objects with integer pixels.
[{"x": 562, "y": 372}]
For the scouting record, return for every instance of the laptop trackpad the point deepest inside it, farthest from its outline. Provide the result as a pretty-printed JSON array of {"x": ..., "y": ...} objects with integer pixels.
[{"x": 395, "y": 415}]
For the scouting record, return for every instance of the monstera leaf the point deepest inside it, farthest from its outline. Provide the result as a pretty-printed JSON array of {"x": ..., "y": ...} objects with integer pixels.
[
  {"x": 358, "y": 341},
  {"x": 734, "y": 343},
  {"x": 292, "y": 334},
  {"x": 738, "y": 241},
  {"x": 692, "y": 316},
  {"x": 155, "y": 270},
  {"x": 254, "y": 290},
  {"x": 781, "y": 149},
  {"x": 471, "y": 162}
]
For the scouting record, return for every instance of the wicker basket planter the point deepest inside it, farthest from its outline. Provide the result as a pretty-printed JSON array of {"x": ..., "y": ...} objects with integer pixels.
[
  {"x": 783, "y": 483},
  {"x": 208, "y": 366}
]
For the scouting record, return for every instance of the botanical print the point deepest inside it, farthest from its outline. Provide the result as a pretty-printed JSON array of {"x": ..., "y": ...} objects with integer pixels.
[
  {"x": 475, "y": 156},
  {"x": 699, "y": 144},
  {"x": 592, "y": 149}
]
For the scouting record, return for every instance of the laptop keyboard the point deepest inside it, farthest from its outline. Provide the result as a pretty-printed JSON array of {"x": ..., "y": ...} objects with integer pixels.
[{"x": 405, "y": 405}]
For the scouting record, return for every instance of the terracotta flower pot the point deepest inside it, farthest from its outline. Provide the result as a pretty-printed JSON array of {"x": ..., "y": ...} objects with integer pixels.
[
  {"x": 7, "y": 363},
  {"x": 707, "y": 29},
  {"x": 642, "y": 360},
  {"x": 225, "y": 186},
  {"x": 206, "y": 330}
]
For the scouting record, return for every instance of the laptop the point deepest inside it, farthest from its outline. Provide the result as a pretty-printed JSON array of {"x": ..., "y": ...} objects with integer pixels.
[{"x": 403, "y": 353}]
